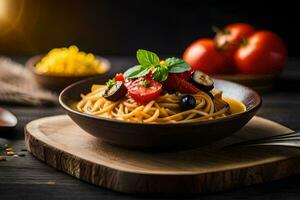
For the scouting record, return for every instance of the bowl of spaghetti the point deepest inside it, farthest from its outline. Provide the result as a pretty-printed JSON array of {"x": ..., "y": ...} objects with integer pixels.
[{"x": 147, "y": 110}]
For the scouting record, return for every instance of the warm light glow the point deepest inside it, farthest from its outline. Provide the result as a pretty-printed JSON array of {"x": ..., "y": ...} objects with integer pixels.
[
  {"x": 3, "y": 8},
  {"x": 10, "y": 15}
]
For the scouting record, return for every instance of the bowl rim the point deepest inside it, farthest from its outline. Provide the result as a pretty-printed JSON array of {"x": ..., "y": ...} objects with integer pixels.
[
  {"x": 207, "y": 122},
  {"x": 32, "y": 61}
]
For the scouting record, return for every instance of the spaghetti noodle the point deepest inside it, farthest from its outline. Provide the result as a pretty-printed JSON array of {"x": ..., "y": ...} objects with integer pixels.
[{"x": 164, "y": 109}]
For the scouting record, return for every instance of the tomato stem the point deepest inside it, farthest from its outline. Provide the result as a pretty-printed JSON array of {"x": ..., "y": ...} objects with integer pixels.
[
  {"x": 225, "y": 44},
  {"x": 244, "y": 41},
  {"x": 218, "y": 30}
]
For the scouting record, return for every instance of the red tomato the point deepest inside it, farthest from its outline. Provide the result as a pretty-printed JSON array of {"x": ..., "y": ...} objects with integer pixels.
[
  {"x": 185, "y": 75},
  {"x": 144, "y": 90},
  {"x": 230, "y": 39},
  {"x": 120, "y": 77},
  {"x": 179, "y": 84},
  {"x": 264, "y": 53},
  {"x": 203, "y": 55}
]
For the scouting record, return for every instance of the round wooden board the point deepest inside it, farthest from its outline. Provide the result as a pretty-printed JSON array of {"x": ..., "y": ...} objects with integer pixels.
[{"x": 61, "y": 144}]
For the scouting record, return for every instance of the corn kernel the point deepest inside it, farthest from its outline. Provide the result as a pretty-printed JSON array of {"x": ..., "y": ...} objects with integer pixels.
[
  {"x": 10, "y": 153},
  {"x": 69, "y": 62}
]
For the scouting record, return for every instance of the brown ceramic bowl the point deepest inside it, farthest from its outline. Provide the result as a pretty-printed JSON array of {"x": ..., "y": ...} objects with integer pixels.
[
  {"x": 58, "y": 83},
  {"x": 261, "y": 83},
  {"x": 157, "y": 136}
]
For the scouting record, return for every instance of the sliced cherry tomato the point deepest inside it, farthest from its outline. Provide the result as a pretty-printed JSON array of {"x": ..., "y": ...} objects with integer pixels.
[
  {"x": 120, "y": 77},
  {"x": 175, "y": 83},
  {"x": 231, "y": 37},
  {"x": 263, "y": 53},
  {"x": 185, "y": 75},
  {"x": 144, "y": 90},
  {"x": 203, "y": 55}
]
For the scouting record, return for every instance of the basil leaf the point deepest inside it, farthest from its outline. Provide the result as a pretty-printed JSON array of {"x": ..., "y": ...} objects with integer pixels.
[
  {"x": 177, "y": 65},
  {"x": 147, "y": 58},
  {"x": 142, "y": 73},
  {"x": 160, "y": 73},
  {"x": 136, "y": 71},
  {"x": 133, "y": 71}
]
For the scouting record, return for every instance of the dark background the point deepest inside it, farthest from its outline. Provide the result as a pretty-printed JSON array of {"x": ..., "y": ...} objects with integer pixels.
[{"x": 121, "y": 27}]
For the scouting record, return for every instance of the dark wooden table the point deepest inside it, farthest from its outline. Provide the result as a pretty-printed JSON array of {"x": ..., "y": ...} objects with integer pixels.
[{"x": 29, "y": 178}]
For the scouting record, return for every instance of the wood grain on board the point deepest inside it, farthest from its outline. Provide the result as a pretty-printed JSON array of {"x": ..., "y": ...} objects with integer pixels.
[{"x": 63, "y": 145}]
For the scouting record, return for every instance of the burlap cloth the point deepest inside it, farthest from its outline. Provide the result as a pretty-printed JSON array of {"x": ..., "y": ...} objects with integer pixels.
[{"x": 17, "y": 85}]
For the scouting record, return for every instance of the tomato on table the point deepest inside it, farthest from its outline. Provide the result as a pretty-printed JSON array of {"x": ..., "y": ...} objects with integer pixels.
[
  {"x": 203, "y": 55},
  {"x": 231, "y": 37},
  {"x": 263, "y": 53},
  {"x": 144, "y": 90}
]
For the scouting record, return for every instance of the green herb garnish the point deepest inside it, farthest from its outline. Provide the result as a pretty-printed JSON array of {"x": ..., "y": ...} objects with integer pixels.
[
  {"x": 110, "y": 83},
  {"x": 137, "y": 71},
  {"x": 145, "y": 83},
  {"x": 160, "y": 73},
  {"x": 177, "y": 94},
  {"x": 147, "y": 58},
  {"x": 160, "y": 69},
  {"x": 177, "y": 65}
]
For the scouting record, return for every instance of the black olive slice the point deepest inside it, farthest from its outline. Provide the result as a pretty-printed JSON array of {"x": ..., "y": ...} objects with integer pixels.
[
  {"x": 202, "y": 81},
  {"x": 115, "y": 92},
  {"x": 187, "y": 102}
]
